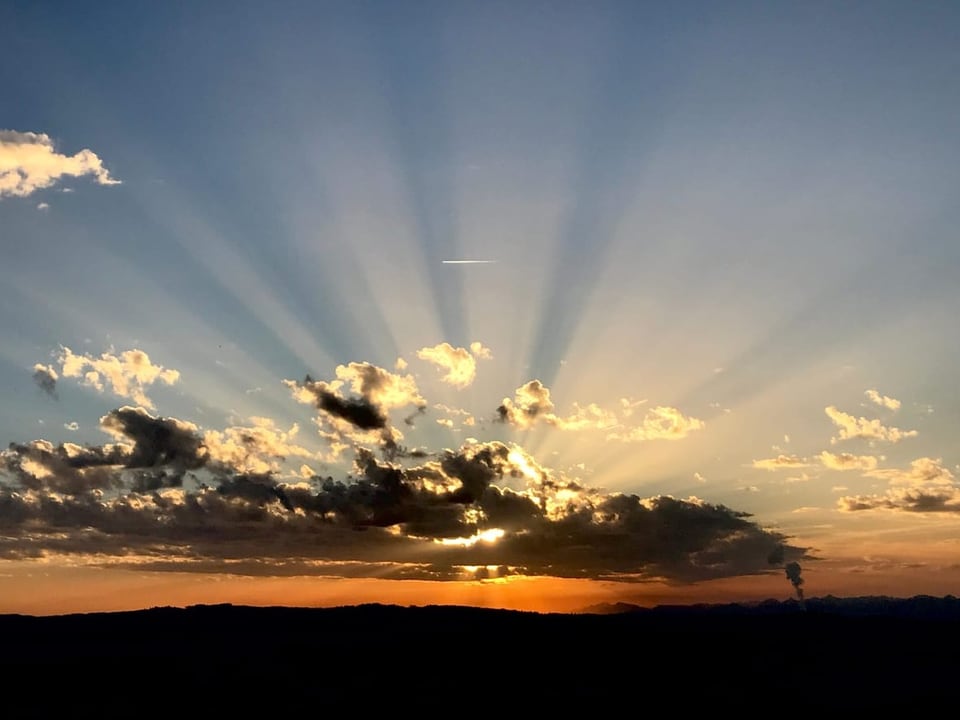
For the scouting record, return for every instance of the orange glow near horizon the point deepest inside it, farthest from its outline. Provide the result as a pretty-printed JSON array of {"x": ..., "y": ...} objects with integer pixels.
[{"x": 26, "y": 588}]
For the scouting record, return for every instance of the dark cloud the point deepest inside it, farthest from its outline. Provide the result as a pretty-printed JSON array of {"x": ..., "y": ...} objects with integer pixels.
[
  {"x": 174, "y": 445},
  {"x": 66, "y": 468},
  {"x": 356, "y": 411},
  {"x": 483, "y": 510},
  {"x": 45, "y": 378},
  {"x": 360, "y": 412}
]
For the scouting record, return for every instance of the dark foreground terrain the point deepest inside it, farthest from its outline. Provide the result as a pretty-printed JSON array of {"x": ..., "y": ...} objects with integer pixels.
[{"x": 773, "y": 658}]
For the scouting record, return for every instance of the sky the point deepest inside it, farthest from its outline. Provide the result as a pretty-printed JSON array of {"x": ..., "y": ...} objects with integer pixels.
[{"x": 513, "y": 304}]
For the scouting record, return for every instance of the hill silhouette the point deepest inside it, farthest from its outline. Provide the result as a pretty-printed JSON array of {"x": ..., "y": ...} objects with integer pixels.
[{"x": 827, "y": 653}]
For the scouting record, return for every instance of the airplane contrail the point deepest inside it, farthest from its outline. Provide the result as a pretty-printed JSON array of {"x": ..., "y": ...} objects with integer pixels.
[{"x": 467, "y": 262}]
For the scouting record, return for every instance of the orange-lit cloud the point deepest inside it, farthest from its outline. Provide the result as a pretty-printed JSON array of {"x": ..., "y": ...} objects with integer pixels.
[
  {"x": 781, "y": 461},
  {"x": 927, "y": 486},
  {"x": 883, "y": 400},
  {"x": 459, "y": 363},
  {"x": 847, "y": 461},
  {"x": 853, "y": 427},
  {"x": 532, "y": 404}
]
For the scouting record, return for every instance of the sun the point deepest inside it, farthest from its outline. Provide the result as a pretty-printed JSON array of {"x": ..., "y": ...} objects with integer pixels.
[{"x": 489, "y": 537}]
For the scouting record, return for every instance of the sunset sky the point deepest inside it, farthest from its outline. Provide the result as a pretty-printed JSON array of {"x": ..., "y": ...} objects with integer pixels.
[{"x": 709, "y": 326}]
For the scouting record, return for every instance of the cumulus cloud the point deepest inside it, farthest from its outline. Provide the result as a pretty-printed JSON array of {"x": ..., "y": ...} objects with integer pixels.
[
  {"x": 258, "y": 449},
  {"x": 459, "y": 364},
  {"x": 853, "y": 427},
  {"x": 927, "y": 486},
  {"x": 481, "y": 505},
  {"x": 883, "y": 400},
  {"x": 126, "y": 375},
  {"x": 166, "y": 494},
  {"x": 29, "y": 162},
  {"x": 847, "y": 461},
  {"x": 781, "y": 461},
  {"x": 355, "y": 407},
  {"x": 72, "y": 426},
  {"x": 532, "y": 404},
  {"x": 46, "y": 378}
]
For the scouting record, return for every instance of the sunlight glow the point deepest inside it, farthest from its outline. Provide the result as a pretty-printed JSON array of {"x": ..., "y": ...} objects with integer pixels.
[{"x": 486, "y": 536}]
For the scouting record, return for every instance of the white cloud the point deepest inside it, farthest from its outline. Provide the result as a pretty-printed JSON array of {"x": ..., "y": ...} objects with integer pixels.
[
  {"x": 699, "y": 478},
  {"x": 43, "y": 206},
  {"x": 29, "y": 162},
  {"x": 127, "y": 374},
  {"x": 853, "y": 427},
  {"x": 72, "y": 426},
  {"x": 883, "y": 400}
]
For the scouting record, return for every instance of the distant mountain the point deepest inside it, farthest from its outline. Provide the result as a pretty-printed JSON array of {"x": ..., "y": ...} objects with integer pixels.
[
  {"x": 610, "y": 608},
  {"x": 920, "y": 607}
]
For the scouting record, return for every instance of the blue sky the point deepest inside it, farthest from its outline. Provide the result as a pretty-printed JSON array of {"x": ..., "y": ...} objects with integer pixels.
[{"x": 743, "y": 212}]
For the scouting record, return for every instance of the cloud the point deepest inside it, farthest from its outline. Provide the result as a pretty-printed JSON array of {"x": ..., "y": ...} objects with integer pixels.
[
  {"x": 923, "y": 472},
  {"x": 72, "y": 426},
  {"x": 45, "y": 378},
  {"x": 847, "y": 461},
  {"x": 360, "y": 412},
  {"x": 464, "y": 416},
  {"x": 480, "y": 352},
  {"x": 29, "y": 162},
  {"x": 355, "y": 407},
  {"x": 459, "y": 363},
  {"x": 482, "y": 505},
  {"x": 781, "y": 461},
  {"x": 43, "y": 206},
  {"x": 660, "y": 423},
  {"x": 883, "y": 400},
  {"x": 629, "y": 406},
  {"x": 926, "y": 487},
  {"x": 532, "y": 404},
  {"x": 257, "y": 449},
  {"x": 375, "y": 392},
  {"x": 127, "y": 375},
  {"x": 852, "y": 427}
]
